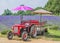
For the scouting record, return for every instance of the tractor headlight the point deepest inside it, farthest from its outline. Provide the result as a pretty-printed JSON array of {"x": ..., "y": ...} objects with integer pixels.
[{"x": 26, "y": 24}]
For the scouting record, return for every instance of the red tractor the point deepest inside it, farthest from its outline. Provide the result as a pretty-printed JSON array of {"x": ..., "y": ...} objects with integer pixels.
[{"x": 26, "y": 28}]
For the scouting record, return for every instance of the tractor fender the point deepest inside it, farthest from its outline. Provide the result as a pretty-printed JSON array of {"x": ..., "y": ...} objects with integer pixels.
[{"x": 31, "y": 26}]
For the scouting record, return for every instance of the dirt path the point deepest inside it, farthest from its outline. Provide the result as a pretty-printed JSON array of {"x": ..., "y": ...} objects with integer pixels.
[{"x": 5, "y": 40}]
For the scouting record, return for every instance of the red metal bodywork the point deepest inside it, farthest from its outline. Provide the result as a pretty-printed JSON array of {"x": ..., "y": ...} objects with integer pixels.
[{"x": 23, "y": 26}]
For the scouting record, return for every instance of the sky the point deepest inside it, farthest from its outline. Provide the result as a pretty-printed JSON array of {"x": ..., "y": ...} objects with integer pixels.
[{"x": 10, "y": 4}]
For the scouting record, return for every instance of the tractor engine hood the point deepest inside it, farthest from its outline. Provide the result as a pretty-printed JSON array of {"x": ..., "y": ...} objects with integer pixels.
[{"x": 18, "y": 25}]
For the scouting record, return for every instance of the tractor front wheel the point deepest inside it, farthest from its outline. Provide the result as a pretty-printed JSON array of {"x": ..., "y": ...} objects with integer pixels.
[{"x": 10, "y": 35}]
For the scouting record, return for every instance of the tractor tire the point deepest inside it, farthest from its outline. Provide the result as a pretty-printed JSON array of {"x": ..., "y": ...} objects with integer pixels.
[
  {"x": 33, "y": 31},
  {"x": 24, "y": 36},
  {"x": 10, "y": 35}
]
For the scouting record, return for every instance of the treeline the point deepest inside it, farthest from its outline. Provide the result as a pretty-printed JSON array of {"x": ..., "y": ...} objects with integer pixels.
[{"x": 28, "y": 12}]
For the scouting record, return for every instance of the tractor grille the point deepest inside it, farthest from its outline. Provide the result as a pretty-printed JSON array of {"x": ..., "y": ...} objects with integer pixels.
[{"x": 15, "y": 29}]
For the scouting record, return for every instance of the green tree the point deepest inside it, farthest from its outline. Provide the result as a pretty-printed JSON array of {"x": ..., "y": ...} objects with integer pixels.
[
  {"x": 53, "y": 6},
  {"x": 21, "y": 13},
  {"x": 7, "y": 12},
  {"x": 38, "y": 8},
  {"x": 28, "y": 12}
]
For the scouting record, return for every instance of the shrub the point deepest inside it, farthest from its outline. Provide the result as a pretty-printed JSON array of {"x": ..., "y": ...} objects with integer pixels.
[
  {"x": 4, "y": 32},
  {"x": 54, "y": 27}
]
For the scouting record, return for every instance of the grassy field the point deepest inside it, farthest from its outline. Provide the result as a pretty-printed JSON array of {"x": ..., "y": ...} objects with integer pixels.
[
  {"x": 53, "y": 35},
  {"x": 54, "y": 32}
]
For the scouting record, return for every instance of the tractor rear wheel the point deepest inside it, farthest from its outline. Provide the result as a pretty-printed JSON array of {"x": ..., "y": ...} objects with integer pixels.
[
  {"x": 33, "y": 31},
  {"x": 10, "y": 35},
  {"x": 24, "y": 35}
]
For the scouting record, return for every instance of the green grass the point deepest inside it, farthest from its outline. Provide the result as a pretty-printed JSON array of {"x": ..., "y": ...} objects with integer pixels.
[
  {"x": 54, "y": 32},
  {"x": 3, "y": 35},
  {"x": 53, "y": 35}
]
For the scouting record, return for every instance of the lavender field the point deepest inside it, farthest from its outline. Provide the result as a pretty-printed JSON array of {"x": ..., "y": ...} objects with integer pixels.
[{"x": 7, "y": 21}]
